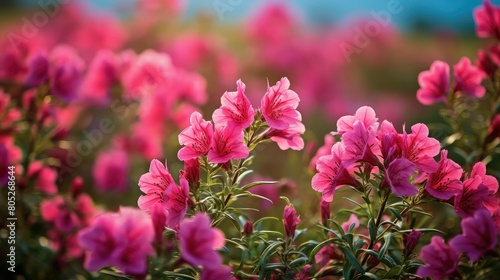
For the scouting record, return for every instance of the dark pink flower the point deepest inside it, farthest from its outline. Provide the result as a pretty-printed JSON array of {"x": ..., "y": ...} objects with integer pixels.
[
  {"x": 445, "y": 182},
  {"x": 491, "y": 201},
  {"x": 111, "y": 171},
  {"x": 236, "y": 109},
  {"x": 176, "y": 203},
  {"x": 279, "y": 105},
  {"x": 361, "y": 145},
  {"x": 397, "y": 175},
  {"x": 38, "y": 69},
  {"x": 220, "y": 273},
  {"x": 45, "y": 177},
  {"x": 227, "y": 143},
  {"x": 247, "y": 228},
  {"x": 101, "y": 75},
  {"x": 199, "y": 242},
  {"x": 58, "y": 211},
  {"x": 66, "y": 73},
  {"x": 493, "y": 129},
  {"x": 159, "y": 219},
  {"x": 411, "y": 240},
  {"x": 440, "y": 259},
  {"x": 288, "y": 138},
  {"x": 468, "y": 78},
  {"x": 323, "y": 150},
  {"x": 486, "y": 63},
  {"x": 479, "y": 235},
  {"x": 290, "y": 221},
  {"x": 331, "y": 173},
  {"x": 471, "y": 198},
  {"x": 421, "y": 149},
  {"x": 487, "y": 20},
  {"x": 191, "y": 172},
  {"x": 196, "y": 138},
  {"x": 120, "y": 239},
  {"x": 154, "y": 184},
  {"x": 325, "y": 211},
  {"x": 327, "y": 254},
  {"x": 434, "y": 83},
  {"x": 365, "y": 115}
]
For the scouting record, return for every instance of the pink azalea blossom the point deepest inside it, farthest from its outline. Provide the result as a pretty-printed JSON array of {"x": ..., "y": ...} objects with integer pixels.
[
  {"x": 327, "y": 254},
  {"x": 111, "y": 171},
  {"x": 445, "y": 182},
  {"x": 45, "y": 177},
  {"x": 227, "y": 143},
  {"x": 479, "y": 235},
  {"x": 66, "y": 73},
  {"x": 440, "y": 259},
  {"x": 331, "y": 173},
  {"x": 365, "y": 115},
  {"x": 57, "y": 210},
  {"x": 323, "y": 150},
  {"x": 434, "y": 83},
  {"x": 236, "y": 109},
  {"x": 196, "y": 138},
  {"x": 486, "y": 64},
  {"x": 154, "y": 184},
  {"x": 471, "y": 198},
  {"x": 38, "y": 69},
  {"x": 290, "y": 221},
  {"x": 397, "y": 175},
  {"x": 353, "y": 219},
  {"x": 279, "y": 105},
  {"x": 468, "y": 78},
  {"x": 120, "y": 239},
  {"x": 101, "y": 75},
  {"x": 361, "y": 145},
  {"x": 176, "y": 198},
  {"x": 199, "y": 242},
  {"x": 288, "y": 138},
  {"x": 191, "y": 173},
  {"x": 159, "y": 218},
  {"x": 487, "y": 20},
  {"x": 491, "y": 201},
  {"x": 421, "y": 149}
]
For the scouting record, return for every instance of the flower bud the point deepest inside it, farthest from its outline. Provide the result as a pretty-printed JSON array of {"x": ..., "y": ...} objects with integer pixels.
[
  {"x": 325, "y": 211},
  {"x": 411, "y": 240},
  {"x": 247, "y": 228},
  {"x": 290, "y": 221}
]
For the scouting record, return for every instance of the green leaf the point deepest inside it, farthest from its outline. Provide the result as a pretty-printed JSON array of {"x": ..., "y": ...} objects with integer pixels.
[
  {"x": 321, "y": 245},
  {"x": 396, "y": 213},
  {"x": 372, "y": 229},
  {"x": 352, "y": 259},
  {"x": 383, "y": 249},
  {"x": 298, "y": 262},
  {"x": 422, "y": 230},
  {"x": 268, "y": 252},
  {"x": 421, "y": 212},
  {"x": 178, "y": 275},
  {"x": 253, "y": 184}
]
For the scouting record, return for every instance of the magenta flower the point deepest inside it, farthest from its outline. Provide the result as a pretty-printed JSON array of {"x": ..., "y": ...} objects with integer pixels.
[
  {"x": 191, "y": 172},
  {"x": 397, "y": 175},
  {"x": 487, "y": 20},
  {"x": 441, "y": 260},
  {"x": 120, "y": 239},
  {"x": 38, "y": 70},
  {"x": 322, "y": 151},
  {"x": 288, "y": 138},
  {"x": 445, "y": 182},
  {"x": 45, "y": 177},
  {"x": 196, "y": 138},
  {"x": 479, "y": 235},
  {"x": 176, "y": 203},
  {"x": 57, "y": 210},
  {"x": 468, "y": 78},
  {"x": 491, "y": 201},
  {"x": 199, "y": 242},
  {"x": 66, "y": 73},
  {"x": 279, "y": 105},
  {"x": 220, "y": 273},
  {"x": 361, "y": 145},
  {"x": 236, "y": 109},
  {"x": 411, "y": 240},
  {"x": 421, "y": 149},
  {"x": 227, "y": 144},
  {"x": 366, "y": 115},
  {"x": 101, "y": 75},
  {"x": 155, "y": 184},
  {"x": 159, "y": 219},
  {"x": 331, "y": 173},
  {"x": 434, "y": 83},
  {"x": 485, "y": 63},
  {"x": 471, "y": 198},
  {"x": 111, "y": 171},
  {"x": 290, "y": 221}
]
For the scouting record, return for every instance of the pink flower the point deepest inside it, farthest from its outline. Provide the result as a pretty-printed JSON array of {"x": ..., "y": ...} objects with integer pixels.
[
  {"x": 493, "y": 129},
  {"x": 101, "y": 75},
  {"x": 468, "y": 78},
  {"x": 45, "y": 177},
  {"x": 220, "y": 273},
  {"x": 196, "y": 138},
  {"x": 361, "y": 145},
  {"x": 227, "y": 143},
  {"x": 479, "y": 169},
  {"x": 331, "y": 173},
  {"x": 411, "y": 240},
  {"x": 445, "y": 182},
  {"x": 290, "y": 221},
  {"x": 326, "y": 254},
  {"x": 441, "y": 260},
  {"x": 486, "y": 64},
  {"x": 199, "y": 242},
  {"x": 111, "y": 171},
  {"x": 479, "y": 235},
  {"x": 57, "y": 210},
  {"x": 236, "y": 109},
  {"x": 120, "y": 239},
  {"x": 365, "y": 115},
  {"x": 323, "y": 150},
  {"x": 176, "y": 203},
  {"x": 159, "y": 220},
  {"x": 353, "y": 219},
  {"x": 397, "y": 175},
  {"x": 487, "y": 20},
  {"x": 420, "y": 149},
  {"x": 288, "y": 138},
  {"x": 279, "y": 105},
  {"x": 434, "y": 83},
  {"x": 154, "y": 184},
  {"x": 471, "y": 198},
  {"x": 38, "y": 69},
  {"x": 325, "y": 211},
  {"x": 191, "y": 173},
  {"x": 66, "y": 73}
]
